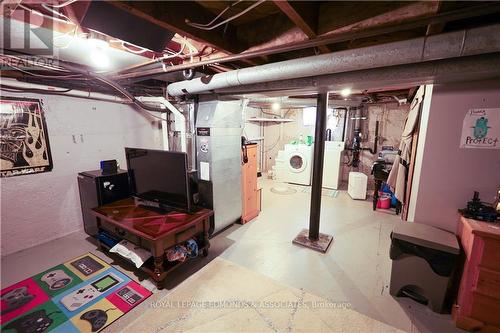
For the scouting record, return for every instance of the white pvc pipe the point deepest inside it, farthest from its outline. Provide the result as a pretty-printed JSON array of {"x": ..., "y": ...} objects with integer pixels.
[{"x": 180, "y": 119}]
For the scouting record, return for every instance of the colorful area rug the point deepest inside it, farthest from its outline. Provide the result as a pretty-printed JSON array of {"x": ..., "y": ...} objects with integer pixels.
[{"x": 84, "y": 294}]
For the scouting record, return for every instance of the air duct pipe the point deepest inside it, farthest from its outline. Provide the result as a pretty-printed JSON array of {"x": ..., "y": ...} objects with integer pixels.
[
  {"x": 444, "y": 46},
  {"x": 297, "y": 102},
  {"x": 180, "y": 119}
]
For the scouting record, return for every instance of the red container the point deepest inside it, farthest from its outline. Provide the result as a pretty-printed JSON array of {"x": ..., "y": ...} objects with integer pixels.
[{"x": 384, "y": 202}]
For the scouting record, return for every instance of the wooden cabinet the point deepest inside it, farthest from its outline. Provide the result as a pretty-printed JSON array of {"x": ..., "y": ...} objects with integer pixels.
[
  {"x": 251, "y": 194},
  {"x": 478, "y": 303}
]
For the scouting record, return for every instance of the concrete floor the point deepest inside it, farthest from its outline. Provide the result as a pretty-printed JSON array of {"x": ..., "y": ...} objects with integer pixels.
[{"x": 356, "y": 269}]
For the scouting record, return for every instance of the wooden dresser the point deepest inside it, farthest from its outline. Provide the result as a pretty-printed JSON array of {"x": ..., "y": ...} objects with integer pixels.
[
  {"x": 251, "y": 194},
  {"x": 478, "y": 303}
]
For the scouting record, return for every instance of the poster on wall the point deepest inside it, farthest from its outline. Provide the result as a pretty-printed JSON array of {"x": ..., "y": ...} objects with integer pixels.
[
  {"x": 24, "y": 139},
  {"x": 481, "y": 129}
]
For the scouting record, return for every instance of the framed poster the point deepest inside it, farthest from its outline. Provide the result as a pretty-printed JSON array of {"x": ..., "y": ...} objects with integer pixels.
[{"x": 24, "y": 139}]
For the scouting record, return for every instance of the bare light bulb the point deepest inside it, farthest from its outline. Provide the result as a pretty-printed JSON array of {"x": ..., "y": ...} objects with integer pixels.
[
  {"x": 97, "y": 53},
  {"x": 345, "y": 92},
  {"x": 276, "y": 106}
]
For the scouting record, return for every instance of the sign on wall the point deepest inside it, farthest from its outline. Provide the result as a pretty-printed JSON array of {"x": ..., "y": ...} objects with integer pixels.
[
  {"x": 24, "y": 139},
  {"x": 481, "y": 129}
]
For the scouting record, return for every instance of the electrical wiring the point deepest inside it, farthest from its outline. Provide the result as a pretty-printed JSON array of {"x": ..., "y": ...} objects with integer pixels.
[
  {"x": 75, "y": 35},
  {"x": 88, "y": 75},
  {"x": 66, "y": 20},
  {"x": 64, "y": 4},
  {"x": 52, "y": 10},
  {"x": 20, "y": 61},
  {"x": 215, "y": 19},
  {"x": 270, "y": 114},
  {"x": 16, "y": 89},
  {"x": 200, "y": 26},
  {"x": 124, "y": 45},
  {"x": 276, "y": 115},
  {"x": 41, "y": 64},
  {"x": 69, "y": 77},
  {"x": 192, "y": 50},
  {"x": 163, "y": 65}
]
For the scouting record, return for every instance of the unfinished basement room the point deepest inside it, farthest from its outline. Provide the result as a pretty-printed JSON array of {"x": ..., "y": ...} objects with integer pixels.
[{"x": 250, "y": 166}]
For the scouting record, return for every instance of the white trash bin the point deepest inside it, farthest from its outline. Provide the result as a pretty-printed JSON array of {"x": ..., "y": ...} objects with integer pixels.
[{"x": 358, "y": 182}]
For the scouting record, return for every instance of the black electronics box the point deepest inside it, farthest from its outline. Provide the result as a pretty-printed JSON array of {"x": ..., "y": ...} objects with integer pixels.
[{"x": 98, "y": 188}]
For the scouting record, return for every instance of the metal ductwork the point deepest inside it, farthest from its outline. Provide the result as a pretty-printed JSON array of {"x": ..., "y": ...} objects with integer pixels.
[
  {"x": 444, "y": 46},
  {"x": 296, "y": 102}
]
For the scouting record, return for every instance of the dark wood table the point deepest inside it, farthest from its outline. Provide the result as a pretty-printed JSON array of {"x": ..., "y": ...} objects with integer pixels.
[{"x": 155, "y": 231}]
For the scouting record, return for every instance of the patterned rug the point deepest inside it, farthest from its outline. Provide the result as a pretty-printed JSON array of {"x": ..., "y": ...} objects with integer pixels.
[{"x": 84, "y": 294}]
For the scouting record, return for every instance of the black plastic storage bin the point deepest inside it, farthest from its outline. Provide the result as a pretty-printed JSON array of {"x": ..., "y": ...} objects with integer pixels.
[{"x": 424, "y": 260}]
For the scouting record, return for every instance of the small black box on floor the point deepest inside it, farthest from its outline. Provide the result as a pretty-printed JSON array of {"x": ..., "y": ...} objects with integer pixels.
[
  {"x": 98, "y": 188},
  {"x": 424, "y": 259}
]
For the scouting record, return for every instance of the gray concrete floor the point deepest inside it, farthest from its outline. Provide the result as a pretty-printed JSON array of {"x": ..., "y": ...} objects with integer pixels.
[{"x": 356, "y": 268}]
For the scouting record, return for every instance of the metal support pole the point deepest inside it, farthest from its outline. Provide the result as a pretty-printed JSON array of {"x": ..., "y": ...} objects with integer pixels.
[
  {"x": 312, "y": 238},
  {"x": 317, "y": 176}
]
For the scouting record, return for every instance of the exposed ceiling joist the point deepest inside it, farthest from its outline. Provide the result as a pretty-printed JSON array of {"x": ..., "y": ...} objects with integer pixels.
[
  {"x": 437, "y": 28},
  {"x": 168, "y": 14},
  {"x": 475, "y": 11},
  {"x": 304, "y": 16},
  {"x": 346, "y": 16}
]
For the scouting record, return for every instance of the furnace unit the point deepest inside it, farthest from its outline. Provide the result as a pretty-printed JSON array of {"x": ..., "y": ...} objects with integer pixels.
[{"x": 218, "y": 151}]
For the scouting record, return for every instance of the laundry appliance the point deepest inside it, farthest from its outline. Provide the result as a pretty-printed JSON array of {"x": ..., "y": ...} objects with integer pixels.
[
  {"x": 332, "y": 164},
  {"x": 294, "y": 164}
]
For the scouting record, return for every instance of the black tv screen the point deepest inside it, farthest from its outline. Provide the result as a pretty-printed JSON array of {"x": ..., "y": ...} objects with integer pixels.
[{"x": 159, "y": 176}]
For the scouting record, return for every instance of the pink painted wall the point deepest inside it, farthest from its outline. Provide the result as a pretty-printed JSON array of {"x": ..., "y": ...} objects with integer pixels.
[{"x": 449, "y": 175}]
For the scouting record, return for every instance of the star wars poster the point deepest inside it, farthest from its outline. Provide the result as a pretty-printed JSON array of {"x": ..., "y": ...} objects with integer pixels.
[
  {"x": 24, "y": 140},
  {"x": 481, "y": 129}
]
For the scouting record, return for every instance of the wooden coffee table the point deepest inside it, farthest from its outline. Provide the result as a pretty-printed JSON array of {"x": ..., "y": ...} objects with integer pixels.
[{"x": 155, "y": 231}]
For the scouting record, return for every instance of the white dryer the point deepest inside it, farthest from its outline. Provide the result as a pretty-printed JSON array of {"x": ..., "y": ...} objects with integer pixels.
[
  {"x": 297, "y": 164},
  {"x": 332, "y": 164}
]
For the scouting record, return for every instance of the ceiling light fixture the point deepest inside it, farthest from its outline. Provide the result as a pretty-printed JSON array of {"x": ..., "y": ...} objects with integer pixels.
[
  {"x": 276, "y": 106},
  {"x": 97, "y": 54},
  {"x": 346, "y": 92}
]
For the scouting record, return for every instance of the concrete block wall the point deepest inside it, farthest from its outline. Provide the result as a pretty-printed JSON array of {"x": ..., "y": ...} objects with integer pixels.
[
  {"x": 41, "y": 207},
  {"x": 391, "y": 117}
]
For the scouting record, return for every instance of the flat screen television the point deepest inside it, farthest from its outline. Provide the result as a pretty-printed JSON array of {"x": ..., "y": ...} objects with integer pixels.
[{"x": 159, "y": 178}]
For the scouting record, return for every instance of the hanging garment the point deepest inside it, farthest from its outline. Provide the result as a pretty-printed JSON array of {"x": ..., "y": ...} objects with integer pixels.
[{"x": 399, "y": 173}]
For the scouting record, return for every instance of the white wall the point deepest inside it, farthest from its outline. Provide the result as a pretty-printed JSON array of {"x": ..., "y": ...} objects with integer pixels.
[
  {"x": 276, "y": 135},
  {"x": 252, "y": 131},
  {"x": 40, "y": 207},
  {"x": 449, "y": 174}
]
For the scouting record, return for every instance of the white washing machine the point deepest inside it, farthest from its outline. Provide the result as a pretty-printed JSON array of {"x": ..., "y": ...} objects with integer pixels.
[{"x": 297, "y": 164}]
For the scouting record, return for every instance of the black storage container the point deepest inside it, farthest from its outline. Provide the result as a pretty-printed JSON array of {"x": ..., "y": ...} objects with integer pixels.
[
  {"x": 424, "y": 259},
  {"x": 97, "y": 189}
]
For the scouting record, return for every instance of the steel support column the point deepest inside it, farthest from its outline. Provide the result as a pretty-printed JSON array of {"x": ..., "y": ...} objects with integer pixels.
[
  {"x": 317, "y": 174},
  {"x": 312, "y": 238}
]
